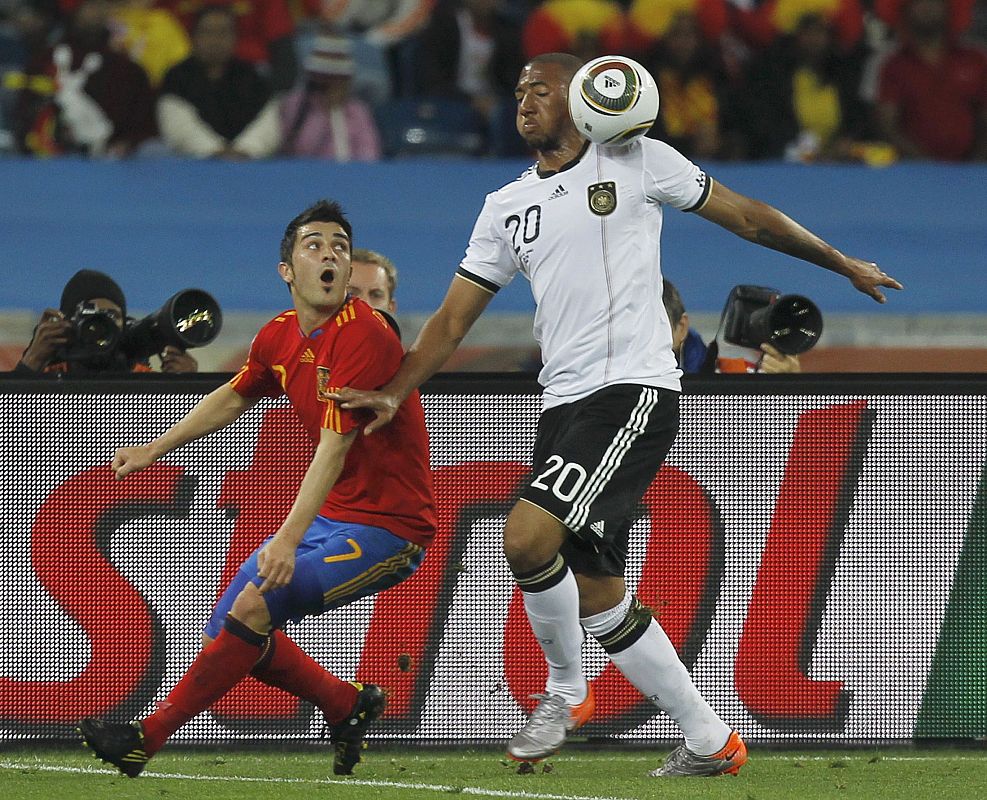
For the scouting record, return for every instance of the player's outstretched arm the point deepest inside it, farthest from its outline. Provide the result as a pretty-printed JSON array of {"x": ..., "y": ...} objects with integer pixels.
[
  {"x": 214, "y": 411},
  {"x": 276, "y": 562},
  {"x": 437, "y": 340},
  {"x": 767, "y": 226}
]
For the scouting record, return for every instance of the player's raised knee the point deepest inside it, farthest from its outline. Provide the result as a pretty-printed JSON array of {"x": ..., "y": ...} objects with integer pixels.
[{"x": 250, "y": 609}]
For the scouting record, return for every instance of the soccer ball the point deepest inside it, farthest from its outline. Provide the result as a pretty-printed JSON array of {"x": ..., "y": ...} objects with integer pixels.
[{"x": 613, "y": 100}]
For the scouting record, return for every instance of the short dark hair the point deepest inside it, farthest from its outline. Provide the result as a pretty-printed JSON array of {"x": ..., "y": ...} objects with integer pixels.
[
  {"x": 208, "y": 10},
  {"x": 321, "y": 211},
  {"x": 569, "y": 63},
  {"x": 674, "y": 306}
]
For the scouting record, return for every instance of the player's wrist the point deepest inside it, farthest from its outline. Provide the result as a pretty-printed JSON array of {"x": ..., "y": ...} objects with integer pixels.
[
  {"x": 157, "y": 448},
  {"x": 289, "y": 536}
]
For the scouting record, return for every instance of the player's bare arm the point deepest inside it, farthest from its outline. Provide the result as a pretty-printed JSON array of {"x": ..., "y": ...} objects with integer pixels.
[
  {"x": 437, "y": 340},
  {"x": 214, "y": 411},
  {"x": 276, "y": 562},
  {"x": 767, "y": 226}
]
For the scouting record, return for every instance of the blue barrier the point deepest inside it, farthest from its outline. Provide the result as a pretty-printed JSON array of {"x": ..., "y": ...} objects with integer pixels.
[{"x": 159, "y": 226}]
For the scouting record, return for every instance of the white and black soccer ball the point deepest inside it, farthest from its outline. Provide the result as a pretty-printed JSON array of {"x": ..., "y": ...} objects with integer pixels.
[{"x": 613, "y": 100}]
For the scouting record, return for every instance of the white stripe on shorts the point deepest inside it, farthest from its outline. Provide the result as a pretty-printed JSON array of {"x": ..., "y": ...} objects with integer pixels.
[{"x": 615, "y": 453}]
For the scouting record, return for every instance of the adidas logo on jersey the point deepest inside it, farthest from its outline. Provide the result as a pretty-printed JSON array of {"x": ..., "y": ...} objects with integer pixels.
[
  {"x": 597, "y": 528},
  {"x": 307, "y": 357},
  {"x": 559, "y": 192}
]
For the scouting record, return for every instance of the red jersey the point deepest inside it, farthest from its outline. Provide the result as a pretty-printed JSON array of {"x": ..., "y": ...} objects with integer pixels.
[
  {"x": 386, "y": 479},
  {"x": 940, "y": 104}
]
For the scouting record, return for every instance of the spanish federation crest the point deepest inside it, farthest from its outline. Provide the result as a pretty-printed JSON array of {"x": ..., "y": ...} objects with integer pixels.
[
  {"x": 322, "y": 385},
  {"x": 602, "y": 198}
]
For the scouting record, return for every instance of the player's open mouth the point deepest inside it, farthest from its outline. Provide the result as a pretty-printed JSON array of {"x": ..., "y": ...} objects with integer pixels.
[{"x": 328, "y": 277}]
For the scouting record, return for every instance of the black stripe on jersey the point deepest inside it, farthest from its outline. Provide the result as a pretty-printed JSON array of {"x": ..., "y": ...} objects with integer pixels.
[
  {"x": 707, "y": 190},
  {"x": 483, "y": 283}
]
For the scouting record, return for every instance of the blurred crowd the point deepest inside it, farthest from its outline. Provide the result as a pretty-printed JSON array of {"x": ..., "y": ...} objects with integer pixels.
[{"x": 359, "y": 80}]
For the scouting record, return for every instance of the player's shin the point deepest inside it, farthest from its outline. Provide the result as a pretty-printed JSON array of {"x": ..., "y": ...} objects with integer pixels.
[
  {"x": 218, "y": 668},
  {"x": 642, "y": 651},
  {"x": 551, "y": 601},
  {"x": 286, "y": 666}
]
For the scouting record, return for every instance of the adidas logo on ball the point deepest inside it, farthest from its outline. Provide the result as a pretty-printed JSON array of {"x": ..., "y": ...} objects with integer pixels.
[{"x": 613, "y": 100}]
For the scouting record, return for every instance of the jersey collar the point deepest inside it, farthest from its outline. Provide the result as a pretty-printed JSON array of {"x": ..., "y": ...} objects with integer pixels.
[{"x": 567, "y": 165}]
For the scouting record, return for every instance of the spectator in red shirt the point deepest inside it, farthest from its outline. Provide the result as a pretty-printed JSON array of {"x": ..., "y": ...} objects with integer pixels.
[{"x": 932, "y": 96}]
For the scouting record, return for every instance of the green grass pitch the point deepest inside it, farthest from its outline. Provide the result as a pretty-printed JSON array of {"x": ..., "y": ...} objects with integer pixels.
[{"x": 423, "y": 773}]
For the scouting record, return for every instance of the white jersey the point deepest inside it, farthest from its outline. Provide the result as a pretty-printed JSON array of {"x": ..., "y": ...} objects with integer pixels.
[{"x": 587, "y": 238}]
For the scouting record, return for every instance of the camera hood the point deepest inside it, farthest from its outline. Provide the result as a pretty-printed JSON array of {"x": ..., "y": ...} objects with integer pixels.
[
  {"x": 754, "y": 315},
  {"x": 189, "y": 318}
]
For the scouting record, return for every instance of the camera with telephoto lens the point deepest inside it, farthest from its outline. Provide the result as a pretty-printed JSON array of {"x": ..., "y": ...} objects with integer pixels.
[
  {"x": 755, "y": 315},
  {"x": 189, "y": 318}
]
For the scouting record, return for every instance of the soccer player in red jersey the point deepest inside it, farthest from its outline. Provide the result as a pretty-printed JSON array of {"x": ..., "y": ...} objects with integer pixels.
[{"x": 360, "y": 523}]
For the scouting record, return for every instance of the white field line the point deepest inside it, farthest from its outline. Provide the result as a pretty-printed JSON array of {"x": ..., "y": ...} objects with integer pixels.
[
  {"x": 424, "y": 787},
  {"x": 769, "y": 756}
]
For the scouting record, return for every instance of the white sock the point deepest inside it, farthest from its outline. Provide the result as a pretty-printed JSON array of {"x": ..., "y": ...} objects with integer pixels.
[
  {"x": 654, "y": 668},
  {"x": 554, "y": 617}
]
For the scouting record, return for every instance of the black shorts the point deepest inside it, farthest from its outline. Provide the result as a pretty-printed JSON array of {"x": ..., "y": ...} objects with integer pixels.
[{"x": 592, "y": 463}]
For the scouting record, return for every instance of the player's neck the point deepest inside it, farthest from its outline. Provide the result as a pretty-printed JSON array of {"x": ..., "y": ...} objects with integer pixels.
[
  {"x": 569, "y": 151},
  {"x": 309, "y": 318}
]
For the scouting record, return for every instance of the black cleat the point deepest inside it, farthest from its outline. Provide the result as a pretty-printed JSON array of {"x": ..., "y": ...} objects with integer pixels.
[
  {"x": 347, "y": 735},
  {"x": 118, "y": 743}
]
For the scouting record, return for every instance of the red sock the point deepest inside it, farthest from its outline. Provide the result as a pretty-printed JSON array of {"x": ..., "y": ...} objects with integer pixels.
[
  {"x": 219, "y": 667},
  {"x": 288, "y": 667}
]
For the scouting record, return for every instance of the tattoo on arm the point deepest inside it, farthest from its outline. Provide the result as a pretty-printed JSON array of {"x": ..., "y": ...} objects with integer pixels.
[{"x": 775, "y": 230}]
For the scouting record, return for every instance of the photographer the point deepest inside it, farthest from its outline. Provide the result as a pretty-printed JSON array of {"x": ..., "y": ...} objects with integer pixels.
[
  {"x": 89, "y": 292},
  {"x": 695, "y": 357}
]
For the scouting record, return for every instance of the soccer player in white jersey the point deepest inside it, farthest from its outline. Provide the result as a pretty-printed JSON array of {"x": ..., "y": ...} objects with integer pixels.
[{"x": 583, "y": 226}]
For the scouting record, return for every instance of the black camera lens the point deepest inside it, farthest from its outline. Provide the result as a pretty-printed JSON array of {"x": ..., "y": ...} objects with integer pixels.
[
  {"x": 97, "y": 333},
  {"x": 94, "y": 333},
  {"x": 196, "y": 317},
  {"x": 792, "y": 323},
  {"x": 755, "y": 315},
  {"x": 189, "y": 318}
]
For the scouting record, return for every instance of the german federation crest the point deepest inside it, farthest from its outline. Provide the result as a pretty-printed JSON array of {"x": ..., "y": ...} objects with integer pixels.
[{"x": 602, "y": 198}]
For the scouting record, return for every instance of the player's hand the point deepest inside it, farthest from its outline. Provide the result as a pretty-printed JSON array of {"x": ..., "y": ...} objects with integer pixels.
[
  {"x": 384, "y": 406},
  {"x": 131, "y": 459},
  {"x": 51, "y": 334},
  {"x": 774, "y": 362},
  {"x": 276, "y": 564},
  {"x": 867, "y": 277},
  {"x": 174, "y": 360}
]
